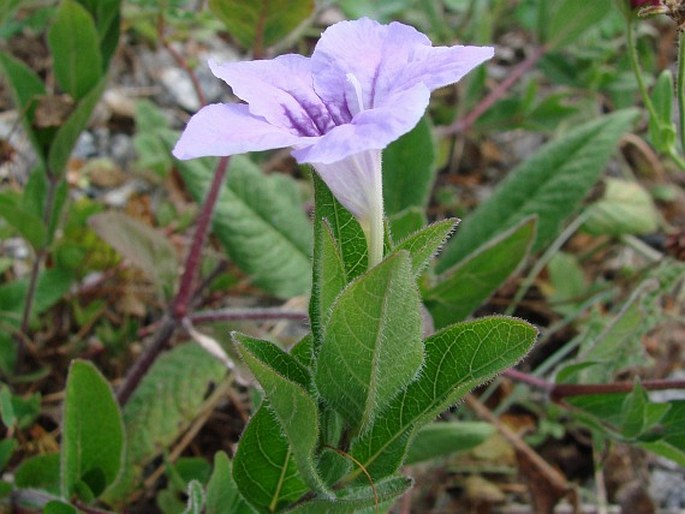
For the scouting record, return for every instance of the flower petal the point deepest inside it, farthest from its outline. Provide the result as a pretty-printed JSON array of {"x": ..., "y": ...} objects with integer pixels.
[
  {"x": 354, "y": 181},
  {"x": 365, "y": 49},
  {"x": 279, "y": 90},
  {"x": 438, "y": 66},
  {"x": 372, "y": 129},
  {"x": 227, "y": 129}
]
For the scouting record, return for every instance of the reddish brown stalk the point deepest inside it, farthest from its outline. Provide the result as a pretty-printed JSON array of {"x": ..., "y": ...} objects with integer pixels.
[
  {"x": 465, "y": 123},
  {"x": 179, "y": 306},
  {"x": 560, "y": 391}
]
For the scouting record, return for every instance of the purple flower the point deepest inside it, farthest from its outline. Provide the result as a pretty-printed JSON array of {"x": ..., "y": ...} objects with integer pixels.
[{"x": 365, "y": 85}]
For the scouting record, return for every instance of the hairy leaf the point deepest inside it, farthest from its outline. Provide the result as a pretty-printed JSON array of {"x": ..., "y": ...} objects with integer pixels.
[
  {"x": 92, "y": 433},
  {"x": 372, "y": 341},
  {"x": 264, "y": 468},
  {"x": 458, "y": 359},
  {"x": 285, "y": 381},
  {"x": 222, "y": 492}
]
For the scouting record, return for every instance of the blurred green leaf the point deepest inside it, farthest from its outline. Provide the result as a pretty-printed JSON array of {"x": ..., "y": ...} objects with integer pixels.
[
  {"x": 443, "y": 438},
  {"x": 68, "y": 133},
  {"x": 7, "y": 447},
  {"x": 662, "y": 131},
  {"x": 18, "y": 411},
  {"x": 551, "y": 184},
  {"x": 404, "y": 223},
  {"x": 92, "y": 432},
  {"x": 106, "y": 14},
  {"x": 567, "y": 281},
  {"x": 26, "y": 88},
  {"x": 145, "y": 247},
  {"x": 59, "y": 507},
  {"x": 568, "y": 20},
  {"x": 53, "y": 284},
  {"x": 373, "y": 342},
  {"x": 672, "y": 442},
  {"x": 222, "y": 492},
  {"x": 39, "y": 472},
  {"x": 458, "y": 359},
  {"x": 75, "y": 49},
  {"x": 464, "y": 287},
  {"x": 625, "y": 208},
  {"x": 28, "y": 224},
  {"x": 165, "y": 403},
  {"x": 424, "y": 244},
  {"x": 409, "y": 170},
  {"x": 264, "y": 231},
  {"x": 261, "y": 23}
]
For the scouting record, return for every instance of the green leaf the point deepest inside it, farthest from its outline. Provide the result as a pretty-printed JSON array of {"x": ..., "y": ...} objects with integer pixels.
[
  {"x": 425, "y": 244},
  {"x": 73, "y": 42},
  {"x": 625, "y": 208},
  {"x": 330, "y": 276},
  {"x": 59, "y": 507},
  {"x": 551, "y": 184},
  {"x": 634, "y": 412},
  {"x": 662, "y": 131},
  {"x": 165, "y": 403},
  {"x": 567, "y": 281},
  {"x": 337, "y": 236},
  {"x": 261, "y": 23},
  {"x": 26, "y": 87},
  {"x": 672, "y": 442},
  {"x": 568, "y": 22},
  {"x": 52, "y": 285},
  {"x": 264, "y": 468},
  {"x": 409, "y": 170},
  {"x": 352, "y": 500},
  {"x": 458, "y": 359},
  {"x": 75, "y": 49},
  {"x": 29, "y": 225},
  {"x": 196, "y": 498},
  {"x": 222, "y": 491},
  {"x": 406, "y": 222},
  {"x": 69, "y": 132},
  {"x": 145, "y": 247},
  {"x": 442, "y": 438},
  {"x": 264, "y": 231},
  {"x": 7, "y": 447},
  {"x": 106, "y": 14},
  {"x": 372, "y": 342},
  {"x": 465, "y": 286},
  {"x": 284, "y": 381},
  {"x": 39, "y": 472},
  {"x": 92, "y": 432}
]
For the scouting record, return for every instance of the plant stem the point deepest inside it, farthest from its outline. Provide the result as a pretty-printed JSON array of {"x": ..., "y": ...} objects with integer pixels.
[
  {"x": 377, "y": 226},
  {"x": 465, "y": 123},
  {"x": 264, "y": 313},
  {"x": 41, "y": 253},
  {"x": 179, "y": 306},
  {"x": 681, "y": 88},
  {"x": 637, "y": 70},
  {"x": 182, "y": 299}
]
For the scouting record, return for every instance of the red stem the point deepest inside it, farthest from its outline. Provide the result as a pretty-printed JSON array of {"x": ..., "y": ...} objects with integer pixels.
[
  {"x": 465, "y": 123},
  {"x": 559, "y": 391},
  {"x": 185, "y": 290}
]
